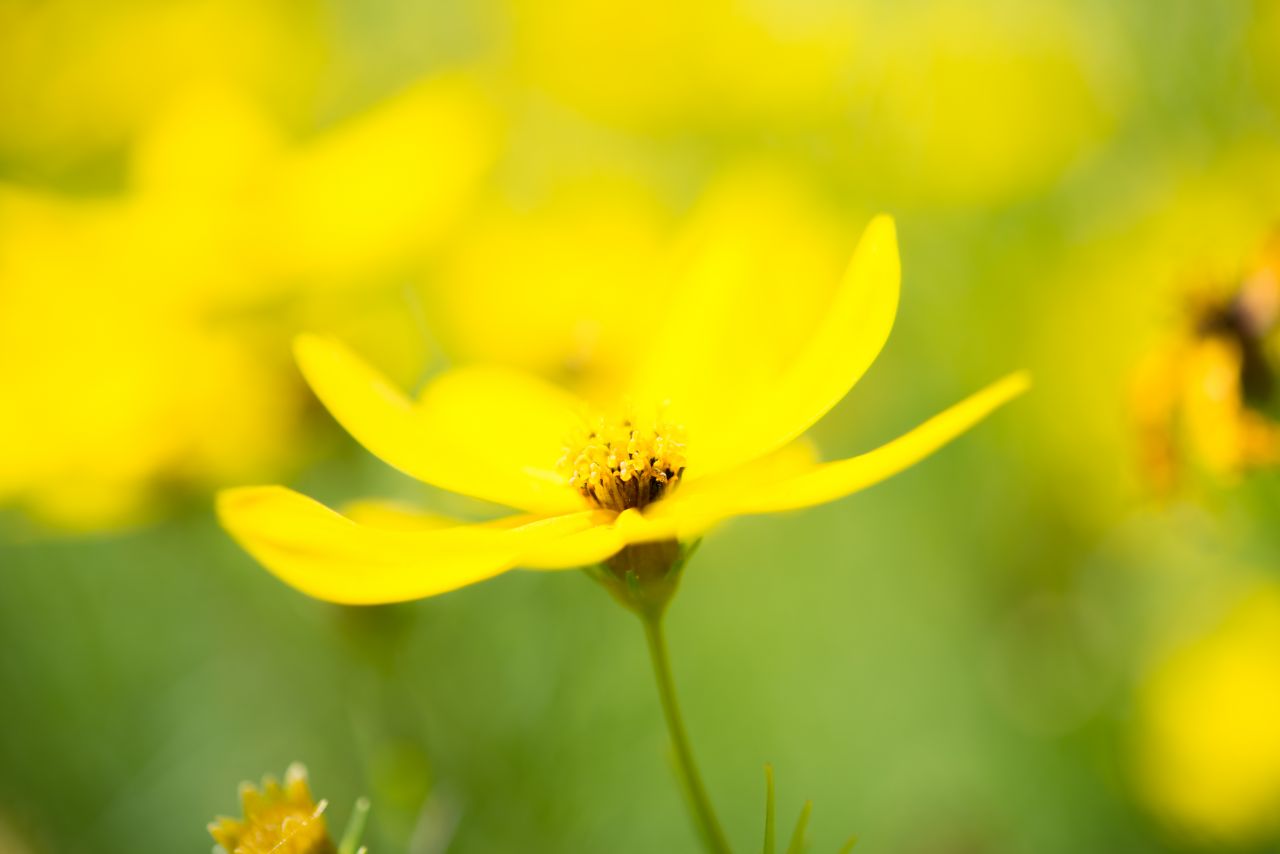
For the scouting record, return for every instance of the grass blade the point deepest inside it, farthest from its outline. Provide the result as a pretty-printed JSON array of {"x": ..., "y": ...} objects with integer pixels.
[
  {"x": 770, "y": 830},
  {"x": 798, "y": 838}
]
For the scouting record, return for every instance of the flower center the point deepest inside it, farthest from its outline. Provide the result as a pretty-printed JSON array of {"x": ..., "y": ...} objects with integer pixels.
[
  {"x": 625, "y": 464},
  {"x": 1246, "y": 321}
]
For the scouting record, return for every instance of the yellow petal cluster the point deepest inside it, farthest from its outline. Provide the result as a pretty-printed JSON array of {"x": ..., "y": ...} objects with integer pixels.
[
  {"x": 730, "y": 432},
  {"x": 278, "y": 819}
]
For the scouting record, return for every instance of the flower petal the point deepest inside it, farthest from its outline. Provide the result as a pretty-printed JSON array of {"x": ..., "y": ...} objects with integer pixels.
[
  {"x": 604, "y": 540},
  {"x": 792, "y": 459},
  {"x": 512, "y": 422},
  {"x": 487, "y": 433},
  {"x": 739, "y": 393},
  {"x": 828, "y": 481},
  {"x": 395, "y": 516},
  {"x": 330, "y": 557},
  {"x": 585, "y": 548},
  {"x": 850, "y": 336}
]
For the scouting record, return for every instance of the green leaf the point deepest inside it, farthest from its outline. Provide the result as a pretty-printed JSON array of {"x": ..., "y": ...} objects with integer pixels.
[
  {"x": 798, "y": 837},
  {"x": 848, "y": 845}
]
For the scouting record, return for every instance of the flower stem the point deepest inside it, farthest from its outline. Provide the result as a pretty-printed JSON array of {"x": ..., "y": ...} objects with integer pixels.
[{"x": 695, "y": 793}]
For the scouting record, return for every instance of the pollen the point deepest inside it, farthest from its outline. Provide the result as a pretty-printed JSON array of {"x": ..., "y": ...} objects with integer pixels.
[{"x": 627, "y": 463}]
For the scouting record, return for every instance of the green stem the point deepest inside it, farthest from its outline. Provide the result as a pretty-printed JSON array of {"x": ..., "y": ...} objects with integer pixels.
[{"x": 695, "y": 793}]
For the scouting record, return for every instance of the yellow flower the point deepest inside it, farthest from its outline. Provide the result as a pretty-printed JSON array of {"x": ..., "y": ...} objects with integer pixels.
[
  {"x": 278, "y": 819},
  {"x": 78, "y": 80},
  {"x": 1209, "y": 748},
  {"x": 172, "y": 292},
  {"x": 1208, "y": 390},
  {"x": 709, "y": 426},
  {"x": 598, "y": 240},
  {"x": 369, "y": 195},
  {"x": 185, "y": 393}
]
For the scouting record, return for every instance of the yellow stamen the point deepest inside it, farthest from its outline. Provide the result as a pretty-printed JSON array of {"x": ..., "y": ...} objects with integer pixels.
[{"x": 623, "y": 464}]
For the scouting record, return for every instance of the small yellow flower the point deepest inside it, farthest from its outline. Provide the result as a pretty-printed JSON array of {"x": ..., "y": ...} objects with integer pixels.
[
  {"x": 708, "y": 427},
  {"x": 280, "y": 819}
]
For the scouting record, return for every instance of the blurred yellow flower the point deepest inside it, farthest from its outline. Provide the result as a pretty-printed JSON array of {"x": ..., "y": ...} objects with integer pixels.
[
  {"x": 1209, "y": 749},
  {"x": 140, "y": 334},
  {"x": 278, "y": 819},
  {"x": 1117, "y": 298},
  {"x": 968, "y": 102},
  {"x": 672, "y": 64},
  {"x": 954, "y": 102},
  {"x": 80, "y": 77},
  {"x": 559, "y": 270},
  {"x": 130, "y": 381},
  {"x": 367, "y": 198},
  {"x": 1205, "y": 395},
  {"x": 381, "y": 187},
  {"x": 709, "y": 426},
  {"x": 562, "y": 268}
]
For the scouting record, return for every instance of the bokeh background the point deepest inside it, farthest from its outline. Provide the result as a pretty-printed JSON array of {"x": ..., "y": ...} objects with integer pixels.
[{"x": 1025, "y": 644}]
